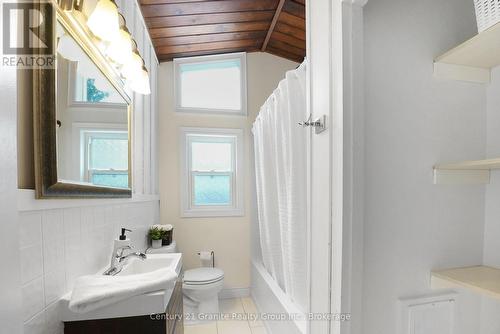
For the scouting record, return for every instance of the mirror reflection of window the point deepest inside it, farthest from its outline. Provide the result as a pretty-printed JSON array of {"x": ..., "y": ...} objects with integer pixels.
[
  {"x": 106, "y": 163},
  {"x": 92, "y": 137}
]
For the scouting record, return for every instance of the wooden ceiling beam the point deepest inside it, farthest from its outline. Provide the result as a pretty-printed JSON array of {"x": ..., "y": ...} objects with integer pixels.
[
  {"x": 197, "y": 39},
  {"x": 292, "y": 31},
  {"x": 207, "y": 7},
  {"x": 288, "y": 39},
  {"x": 295, "y": 9},
  {"x": 216, "y": 18},
  {"x": 284, "y": 54},
  {"x": 208, "y": 29},
  {"x": 169, "y": 57},
  {"x": 247, "y": 43},
  {"x": 273, "y": 24},
  {"x": 287, "y": 47}
]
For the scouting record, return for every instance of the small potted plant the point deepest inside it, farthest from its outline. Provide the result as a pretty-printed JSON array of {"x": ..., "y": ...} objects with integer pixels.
[{"x": 155, "y": 234}]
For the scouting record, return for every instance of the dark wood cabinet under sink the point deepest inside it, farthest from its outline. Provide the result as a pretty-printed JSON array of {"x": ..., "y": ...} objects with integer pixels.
[{"x": 170, "y": 322}]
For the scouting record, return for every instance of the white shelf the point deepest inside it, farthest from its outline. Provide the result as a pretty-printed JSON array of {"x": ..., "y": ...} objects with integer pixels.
[
  {"x": 465, "y": 172},
  {"x": 481, "y": 279},
  {"x": 487, "y": 164},
  {"x": 473, "y": 60}
]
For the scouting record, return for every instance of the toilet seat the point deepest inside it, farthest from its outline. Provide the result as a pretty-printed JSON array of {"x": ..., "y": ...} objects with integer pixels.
[{"x": 203, "y": 276}]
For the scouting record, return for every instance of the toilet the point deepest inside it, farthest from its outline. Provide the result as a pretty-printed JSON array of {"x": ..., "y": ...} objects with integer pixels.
[{"x": 201, "y": 287}]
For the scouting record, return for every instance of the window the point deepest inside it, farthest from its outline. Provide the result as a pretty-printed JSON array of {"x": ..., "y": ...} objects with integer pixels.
[
  {"x": 211, "y": 84},
  {"x": 106, "y": 158},
  {"x": 212, "y": 179}
]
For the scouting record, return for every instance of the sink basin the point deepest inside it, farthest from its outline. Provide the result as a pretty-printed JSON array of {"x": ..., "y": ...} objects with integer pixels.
[
  {"x": 153, "y": 262},
  {"x": 145, "y": 304}
]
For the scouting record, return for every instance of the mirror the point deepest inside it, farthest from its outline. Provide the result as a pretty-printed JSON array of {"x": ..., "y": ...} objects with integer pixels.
[
  {"x": 92, "y": 120},
  {"x": 81, "y": 113}
]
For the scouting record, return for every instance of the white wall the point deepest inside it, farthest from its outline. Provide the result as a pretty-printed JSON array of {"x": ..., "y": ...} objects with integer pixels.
[
  {"x": 60, "y": 240},
  {"x": 229, "y": 237},
  {"x": 413, "y": 121},
  {"x": 10, "y": 283}
]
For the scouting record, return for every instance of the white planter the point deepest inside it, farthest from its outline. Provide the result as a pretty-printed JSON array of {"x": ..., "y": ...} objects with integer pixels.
[{"x": 156, "y": 243}]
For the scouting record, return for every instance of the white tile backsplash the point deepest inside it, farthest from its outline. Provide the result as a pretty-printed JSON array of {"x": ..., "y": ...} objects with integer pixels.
[
  {"x": 52, "y": 225},
  {"x": 33, "y": 300},
  {"x": 30, "y": 229},
  {"x": 72, "y": 219},
  {"x": 35, "y": 325},
  {"x": 58, "y": 246},
  {"x": 53, "y": 254},
  {"x": 31, "y": 263},
  {"x": 55, "y": 286}
]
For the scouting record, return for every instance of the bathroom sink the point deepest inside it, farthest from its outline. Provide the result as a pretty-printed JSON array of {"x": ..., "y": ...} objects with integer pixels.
[
  {"x": 152, "y": 262},
  {"x": 145, "y": 304}
]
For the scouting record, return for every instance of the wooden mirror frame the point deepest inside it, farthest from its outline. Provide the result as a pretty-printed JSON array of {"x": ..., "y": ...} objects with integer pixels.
[{"x": 47, "y": 184}]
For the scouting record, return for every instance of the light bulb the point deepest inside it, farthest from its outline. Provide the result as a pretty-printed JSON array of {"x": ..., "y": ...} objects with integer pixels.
[
  {"x": 140, "y": 83},
  {"x": 120, "y": 49},
  {"x": 104, "y": 22},
  {"x": 69, "y": 49},
  {"x": 132, "y": 66}
]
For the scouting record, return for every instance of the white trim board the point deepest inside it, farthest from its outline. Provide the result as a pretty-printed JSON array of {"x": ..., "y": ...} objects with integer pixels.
[{"x": 26, "y": 201}]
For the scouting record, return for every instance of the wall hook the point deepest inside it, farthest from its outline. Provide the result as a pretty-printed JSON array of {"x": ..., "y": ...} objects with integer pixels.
[{"x": 319, "y": 124}]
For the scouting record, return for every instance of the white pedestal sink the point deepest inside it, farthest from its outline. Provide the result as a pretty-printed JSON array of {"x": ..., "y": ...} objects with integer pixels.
[{"x": 145, "y": 304}]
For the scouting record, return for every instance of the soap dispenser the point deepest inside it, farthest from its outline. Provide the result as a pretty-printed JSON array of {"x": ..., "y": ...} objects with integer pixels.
[{"x": 122, "y": 239}]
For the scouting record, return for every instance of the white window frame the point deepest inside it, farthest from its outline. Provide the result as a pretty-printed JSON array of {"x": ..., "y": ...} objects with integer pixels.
[
  {"x": 188, "y": 209},
  {"x": 241, "y": 56}
]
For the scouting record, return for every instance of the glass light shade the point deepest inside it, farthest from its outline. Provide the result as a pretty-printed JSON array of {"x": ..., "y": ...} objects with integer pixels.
[
  {"x": 120, "y": 49},
  {"x": 131, "y": 68},
  {"x": 104, "y": 22},
  {"x": 69, "y": 49},
  {"x": 140, "y": 83}
]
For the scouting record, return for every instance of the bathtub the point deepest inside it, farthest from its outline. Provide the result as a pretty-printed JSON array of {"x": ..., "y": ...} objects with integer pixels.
[{"x": 273, "y": 303}]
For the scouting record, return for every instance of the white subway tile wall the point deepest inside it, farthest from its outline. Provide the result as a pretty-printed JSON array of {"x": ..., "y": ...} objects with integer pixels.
[{"x": 57, "y": 246}]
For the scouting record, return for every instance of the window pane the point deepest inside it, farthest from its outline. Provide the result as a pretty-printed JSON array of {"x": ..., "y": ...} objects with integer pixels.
[
  {"x": 211, "y": 85},
  {"x": 108, "y": 153},
  {"x": 212, "y": 190},
  {"x": 118, "y": 180},
  {"x": 211, "y": 156}
]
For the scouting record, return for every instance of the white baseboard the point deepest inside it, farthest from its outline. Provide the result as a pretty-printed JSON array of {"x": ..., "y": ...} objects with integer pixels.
[{"x": 234, "y": 293}]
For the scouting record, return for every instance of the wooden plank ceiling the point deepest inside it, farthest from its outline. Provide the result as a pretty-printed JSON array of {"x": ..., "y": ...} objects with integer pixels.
[{"x": 183, "y": 28}]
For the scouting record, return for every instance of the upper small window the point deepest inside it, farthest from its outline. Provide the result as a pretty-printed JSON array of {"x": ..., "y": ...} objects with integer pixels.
[{"x": 211, "y": 84}]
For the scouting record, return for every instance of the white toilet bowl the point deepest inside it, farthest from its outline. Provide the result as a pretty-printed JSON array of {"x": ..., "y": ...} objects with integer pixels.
[{"x": 201, "y": 293}]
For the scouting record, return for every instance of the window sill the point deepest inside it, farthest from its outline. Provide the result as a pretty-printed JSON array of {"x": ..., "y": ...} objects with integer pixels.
[
  {"x": 212, "y": 213},
  {"x": 213, "y": 112}
]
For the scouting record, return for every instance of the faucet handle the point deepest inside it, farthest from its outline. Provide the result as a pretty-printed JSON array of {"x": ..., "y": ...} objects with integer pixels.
[{"x": 119, "y": 250}]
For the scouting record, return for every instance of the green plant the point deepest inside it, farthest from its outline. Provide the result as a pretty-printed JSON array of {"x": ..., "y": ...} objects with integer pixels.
[{"x": 155, "y": 233}]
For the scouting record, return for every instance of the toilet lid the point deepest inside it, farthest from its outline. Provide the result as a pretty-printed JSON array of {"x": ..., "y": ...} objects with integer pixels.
[{"x": 203, "y": 275}]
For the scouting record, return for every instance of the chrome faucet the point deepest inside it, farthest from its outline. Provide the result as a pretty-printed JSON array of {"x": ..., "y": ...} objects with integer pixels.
[{"x": 118, "y": 258}]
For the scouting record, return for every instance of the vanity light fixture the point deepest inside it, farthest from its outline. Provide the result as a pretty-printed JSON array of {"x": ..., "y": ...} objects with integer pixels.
[
  {"x": 132, "y": 66},
  {"x": 104, "y": 21},
  {"x": 141, "y": 84},
  {"x": 110, "y": 27},
  {"x": 136, "y": 74},
  {"x": 120, "y": 48}
]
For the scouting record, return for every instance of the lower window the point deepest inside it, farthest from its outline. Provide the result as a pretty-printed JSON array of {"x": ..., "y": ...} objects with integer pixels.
[{"x": 212, "y": 176}]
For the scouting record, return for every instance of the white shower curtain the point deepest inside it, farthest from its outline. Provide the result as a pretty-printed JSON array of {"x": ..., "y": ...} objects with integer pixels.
[{"x": 280, "y": 164}]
